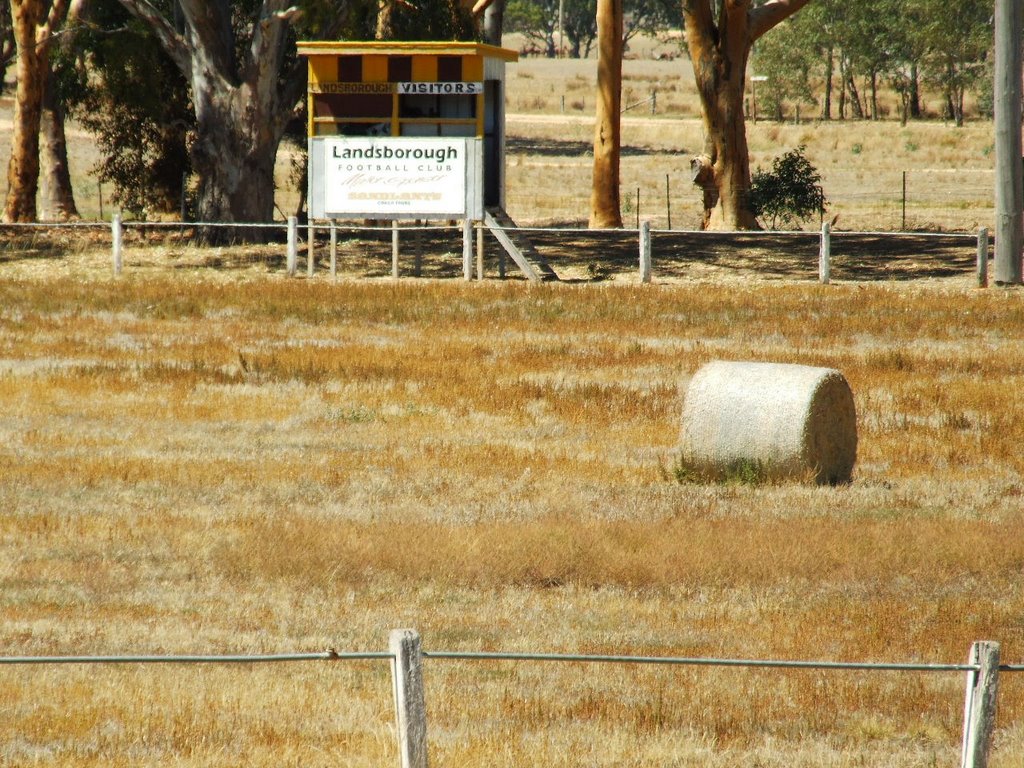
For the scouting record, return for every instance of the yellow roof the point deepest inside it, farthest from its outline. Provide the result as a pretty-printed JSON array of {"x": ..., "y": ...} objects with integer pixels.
[{"x": 338, "y": 48}]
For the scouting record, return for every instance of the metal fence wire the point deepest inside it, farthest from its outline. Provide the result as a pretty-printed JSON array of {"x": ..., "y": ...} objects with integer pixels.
[{"x": 406, "y": 656}]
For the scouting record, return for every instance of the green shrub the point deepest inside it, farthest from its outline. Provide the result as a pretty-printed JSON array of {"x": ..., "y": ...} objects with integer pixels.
[{"x": 789, "y": 193}]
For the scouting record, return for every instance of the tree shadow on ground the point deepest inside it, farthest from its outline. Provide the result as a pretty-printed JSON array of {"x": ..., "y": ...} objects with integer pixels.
[
  {"x": 578, "y": 255},
  {"x": 763, "y": 254},
  {"x": 565, "y": 148}
]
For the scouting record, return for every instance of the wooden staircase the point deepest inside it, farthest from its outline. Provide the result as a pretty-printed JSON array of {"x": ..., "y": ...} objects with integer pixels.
[{"x": 518, "y": 246}]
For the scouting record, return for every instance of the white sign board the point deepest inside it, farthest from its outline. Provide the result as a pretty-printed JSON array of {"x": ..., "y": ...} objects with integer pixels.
[{"x": 387, "y": 177}]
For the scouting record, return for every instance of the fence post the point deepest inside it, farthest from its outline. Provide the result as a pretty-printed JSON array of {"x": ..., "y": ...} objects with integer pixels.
[
  {"x": 825, "y": 254},
  {"x": 645, "y": 252},
  {"x": 467, "y": 249},
  {"x": 480, "y": 251},
  {"x": 668, "y": 204},
  {"x": 903, "y": 225},
  {"x": 983, "y": 257},
  {"x": 334, "y": 250},
  {"x": 293, "y": 245},
  {"x": 394, "y": 249},
  {"x": 115, "y": 236},
  {"x": 310, "y": 248},
  {"x": 980, "y": 704},
  {"x": 410, "y": 704}
]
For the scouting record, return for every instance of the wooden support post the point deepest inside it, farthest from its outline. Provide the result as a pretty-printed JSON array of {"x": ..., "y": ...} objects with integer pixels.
[
  {"x": 668, "y": 204},
  {"x": 825, "y": 255},
  {"x": 980, "y": 704},
  {"x": 903, "y": 225},
  {"x": 480, "y": 250},
  {"x": 410, "y": 702},
  {"x": 645, "y": 252},
  {"x": 1007, "y": 91},
  {"x": 417, "y": 242},
  {"x": 116, "y": 233},
  {"x": 983, "y": 258},
  {"x": 310, "y": 249},
  {"x": 394, "y": 249},
  {"x": 467, "y": 249},
  {"x": 292, "y": 257},
  {"x": 334, "y": 250}
]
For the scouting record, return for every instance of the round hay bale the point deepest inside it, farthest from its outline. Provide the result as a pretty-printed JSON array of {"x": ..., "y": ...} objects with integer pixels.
[{"x": 790, "y": 421}]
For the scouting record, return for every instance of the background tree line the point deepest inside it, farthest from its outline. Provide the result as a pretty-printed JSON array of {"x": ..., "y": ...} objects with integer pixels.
[{"x": 833, "y": 57}]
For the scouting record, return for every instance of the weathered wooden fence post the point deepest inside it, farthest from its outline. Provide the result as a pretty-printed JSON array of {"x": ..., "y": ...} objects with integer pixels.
[
  {"x": 293, "y": 245},
  {"x": 480, "y": 250},
  {"x": 825, "y": 255},
  {"x": 645, "y": 252},
  {"x": 310, "y": 248},
  {"x": 116, "y": 233},
  {"x": 334, "y": 250},
  {"x": 394, "y": 249},
  {"x": 417, "y": 244},
  {"x": 467, "y": 249},
  {"x": 980, "y": 704},
  {"x": 410, "y": 703},
  {"x": 983, "y": 258}
]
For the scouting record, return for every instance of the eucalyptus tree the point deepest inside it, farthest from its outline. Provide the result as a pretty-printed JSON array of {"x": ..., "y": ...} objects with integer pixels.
[
  {"x": 34, "y": 24},
  {"x": 720, "y": 39},
  {"x": 957, "y": 37},
  {"x": 605, "y": 208},
  {"x": 245, "y": 83}
]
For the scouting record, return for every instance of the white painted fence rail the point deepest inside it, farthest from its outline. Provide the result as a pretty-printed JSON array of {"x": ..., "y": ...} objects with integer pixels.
[
  {"x": 406, "y": 656},
  {"x": 646, "y": 236}
]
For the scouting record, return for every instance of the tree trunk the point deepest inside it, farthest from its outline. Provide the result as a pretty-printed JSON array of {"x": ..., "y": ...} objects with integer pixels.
[
  {"x": 873, "y": 82},
  {"x": 605, "y": 208},
  {"x": 494, "y": 22},
  {"x": 384, "y": 29},
  {"x": 55, "y": 192},
  {"x": 719, "y": 47},
  {"x": 915, "y": 92},
  {"x": 842, "y": 89},
  {"x": 858, "y": 108},
  {"x": 234, "y": 158},
  {"x": 242, "y": 95},
  {"x": 723, "y": 170},
  {"x": 30, "y": 72},
  {"x": 826, "y": 110}
]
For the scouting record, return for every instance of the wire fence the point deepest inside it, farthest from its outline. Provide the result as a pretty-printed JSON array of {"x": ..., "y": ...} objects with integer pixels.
[
  {"x": 432, "y": 249},
  {"x": 918, "y": 199},
  {"x": 406, "y": 656}
]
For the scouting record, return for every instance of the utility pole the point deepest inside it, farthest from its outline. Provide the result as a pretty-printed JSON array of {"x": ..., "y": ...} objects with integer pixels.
[{"x": 1009, "y": 153}]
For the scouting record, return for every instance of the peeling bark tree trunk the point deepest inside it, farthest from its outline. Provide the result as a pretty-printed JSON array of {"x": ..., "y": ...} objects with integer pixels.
[
  {"x": 234, "y": 159},
  {"x": 33, "y": 22},
  {"x": 23, "y": 167},
  {"x": 56, "y": 197},
  {"x": 605, "y": 209},
  {"x": 719, "y": 49},
  {"x": 242, "y": 101}
]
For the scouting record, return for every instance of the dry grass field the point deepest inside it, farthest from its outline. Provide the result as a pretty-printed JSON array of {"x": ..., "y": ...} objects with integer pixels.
[
  {"x": 227, "y": 461},
  {"x": 205, "y": 457}
]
